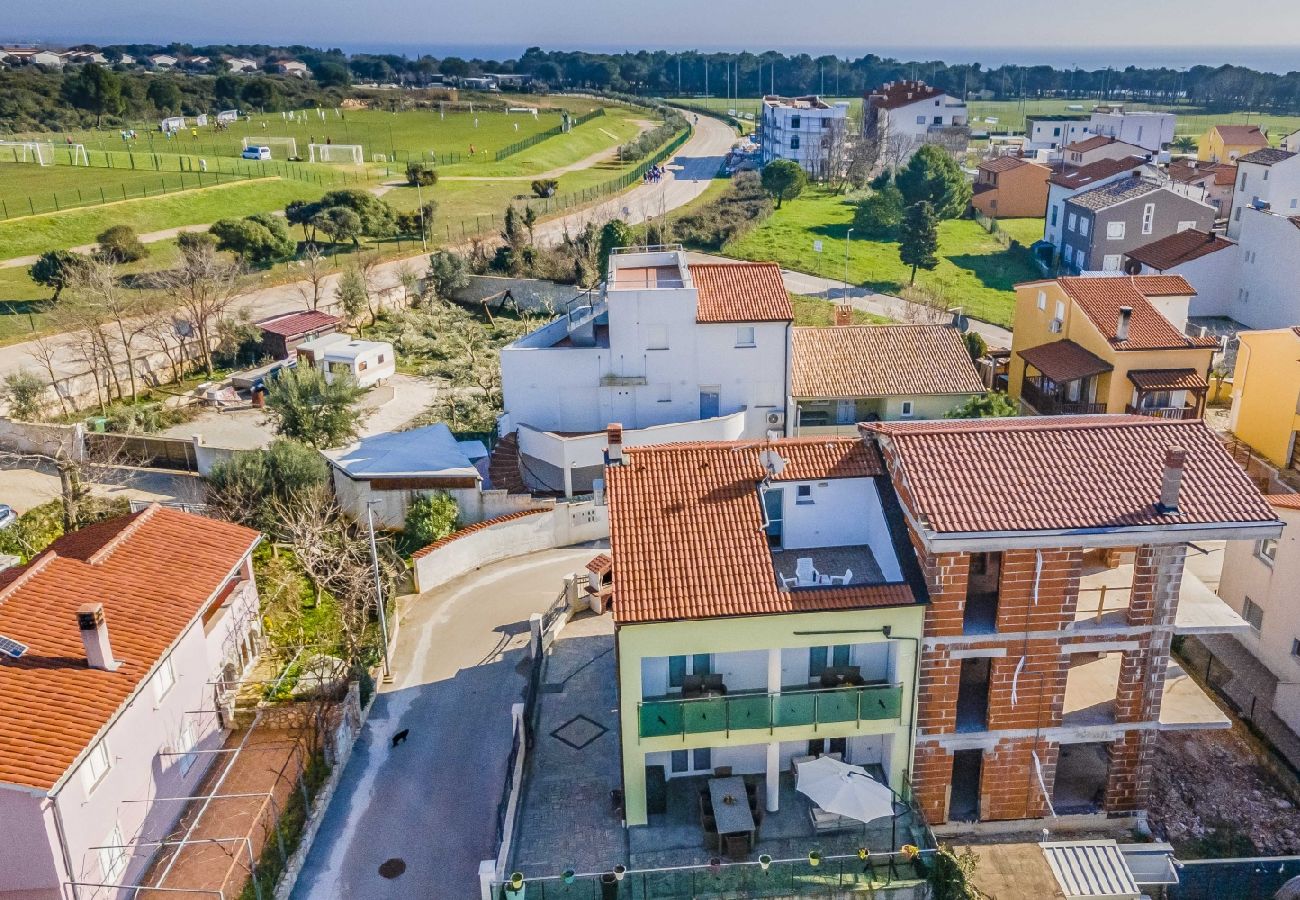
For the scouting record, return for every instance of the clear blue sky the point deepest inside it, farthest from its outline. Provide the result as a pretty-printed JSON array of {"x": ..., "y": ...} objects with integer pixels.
[{"x": 846, "y": 26}]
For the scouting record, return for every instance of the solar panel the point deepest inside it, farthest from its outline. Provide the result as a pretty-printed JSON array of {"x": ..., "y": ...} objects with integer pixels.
[{"x": 11, "y": 648}]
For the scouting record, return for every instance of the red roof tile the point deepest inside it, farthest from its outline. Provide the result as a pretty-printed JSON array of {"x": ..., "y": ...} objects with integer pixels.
[
  {"x": 740, "y": 292},
  {"x": 880, "y": 361},
  {"x": 295, "y": 323},
  {"x": 1284, "y": 501},
  {"x": 686, "y": 530},
  {"x": 1242, "y": 134},
  {"x": 1004, "y": 163},
  {"x": 898, "y": 94},
  {"x": 1086, "y": 176},
  {"x": 1064, "y": 361},
  {"x": 1048, "y": 473},
  {"x": 1090, "y": 143},
  {"x": 1179, "y": 248},
  {"x": 155, "y": 572},
  {"x": 1167, "y": 379},
  {"x": 1100, "y": 298},
  {"x": 601, "y": 564}
]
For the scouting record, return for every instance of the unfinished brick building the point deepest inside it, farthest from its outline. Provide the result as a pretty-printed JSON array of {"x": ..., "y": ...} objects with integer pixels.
[{"x": 1054, "y": 551}]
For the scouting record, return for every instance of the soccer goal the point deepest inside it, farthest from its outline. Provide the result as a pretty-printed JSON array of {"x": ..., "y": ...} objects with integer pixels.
[
  {"x": 28, "y": 152},
  {"x": 77, "y": 155},
  {"x": 227, "y": 116},
  {"x": 337, "y": 153},
  {"x": 290, "y": 144}
]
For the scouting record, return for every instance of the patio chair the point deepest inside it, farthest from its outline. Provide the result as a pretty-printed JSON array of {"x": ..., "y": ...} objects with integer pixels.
[
  {"x": 714, "y": 683},
  {"x": 842, "y": 579},
  {"x": 692, "y": 685},
  {"x": 737, "y": 845},
  {"x": 787, "y": 581},
  {"x": 804, "y": 571},
  {"x": 722, "y": 772}
]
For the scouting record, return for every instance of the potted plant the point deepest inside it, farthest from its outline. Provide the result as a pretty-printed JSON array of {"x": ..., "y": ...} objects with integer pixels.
[
  {"x": 515, "y": 886},
  {"x": 715, "y": 865},
  {"x": 863, "y": 853},
  {"x": 765, "y": 862},
  {"x": 619, "y": 872},
  {"x": 569, "y": 875},
  {"x": 608, "y": 886},
  {"x": 814, "y": 858}
]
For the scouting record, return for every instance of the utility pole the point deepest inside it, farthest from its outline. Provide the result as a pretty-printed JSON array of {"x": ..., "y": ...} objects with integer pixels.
[
  {"x": 706, "y": 76},
  {"x": 379, "y": 587},
  {"x": 847, "y": 238},
  {"x": 419, "y": 198},
  {"x": 679, "y": 74}
]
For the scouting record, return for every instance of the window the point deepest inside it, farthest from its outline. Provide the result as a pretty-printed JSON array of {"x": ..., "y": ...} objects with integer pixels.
[
  {"x": 1115, "y": 231},
  {"x": 656, "y": 337},
  {"x": 1266, "y": 550},
  {"x": 1266, "y": 174},
  {"x": 822, "y": 658},
  {"x": 907, "y": 407},
  {"x": 361, "y": 366},
  {"x": 1054, "y": 211},
  {"x": 676, "y": 671},
  {"x": 1242, "y": 186},
  {"x": 1148, "y": 218},
  {"x": 664, "y": 393},
  {"x": 1083, "y": 227},
  {"x": 1073, "y": 222},
  {"x": 796, "y": 121},
  {"x": 745, "y": 336},
  {"x": 1295, "y": 647},
  {"x": 794, "y": 142},
  {"x": 1110, "y": 262},
  {"x": 1060, "y": 310},
  {"x": 920, "y": 120},
  {"x": 1042, "y": 299},
  {"x": 1080, "y": 258},
  {"x": 163, "y": 679},
  {"x": 1236, "y": 214},
  {"x": 112, "y": 856},
  {"x": 184, "y": 744},
  {"x": 1252, "y": 613},
  {"x": 1294, "y": 201},
  {"x": 1056, "y": 132},
  {"x": 96, "y": 766},
  {"x": 381, "y": 359},
  {"x": 803, "y": 494}
]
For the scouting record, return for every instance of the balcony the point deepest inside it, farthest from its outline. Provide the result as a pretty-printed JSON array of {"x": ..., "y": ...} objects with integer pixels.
[
  {"x": 1163, "y": 412},
  {"x": 1053, "y": 403},
  {"x": 767, "y": 712}
]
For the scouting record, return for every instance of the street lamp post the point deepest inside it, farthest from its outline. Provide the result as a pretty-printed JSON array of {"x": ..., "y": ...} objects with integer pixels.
[
  {"x": 847, "y": 238},
  {"x": 379, "y": 587}
]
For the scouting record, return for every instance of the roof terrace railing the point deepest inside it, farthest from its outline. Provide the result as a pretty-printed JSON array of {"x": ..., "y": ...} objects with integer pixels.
[
  {"x": 646, "y": 248},
  {"x": 750, "y": 712}
]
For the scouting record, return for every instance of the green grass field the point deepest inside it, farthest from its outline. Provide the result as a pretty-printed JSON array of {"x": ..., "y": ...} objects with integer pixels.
[
  {"x": 975, "y": 271},
  {"x": 27, "y": 189}
]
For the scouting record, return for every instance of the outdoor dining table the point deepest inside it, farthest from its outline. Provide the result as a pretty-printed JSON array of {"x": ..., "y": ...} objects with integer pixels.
[{"x": 734, "y": 817}]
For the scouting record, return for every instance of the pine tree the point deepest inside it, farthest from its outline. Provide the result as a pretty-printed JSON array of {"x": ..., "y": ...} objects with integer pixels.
[{"x": 918, "y": 238}]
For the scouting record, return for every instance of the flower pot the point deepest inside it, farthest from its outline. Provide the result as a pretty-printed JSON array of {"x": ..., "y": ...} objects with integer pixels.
[
  {"x": 619, "y": 872},
  {"x": 863, "y": 853},
  {"x": 569, "y": 875},
  {"x": 515, "y": 888},
  {"x": 608, "y": 887},
  {"x": 814, "y": 858},
  {"x": 764, "y": 862}
]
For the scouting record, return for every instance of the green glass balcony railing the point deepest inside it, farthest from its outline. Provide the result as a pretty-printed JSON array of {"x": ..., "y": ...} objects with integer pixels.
[{"x": 751, "y": 712}]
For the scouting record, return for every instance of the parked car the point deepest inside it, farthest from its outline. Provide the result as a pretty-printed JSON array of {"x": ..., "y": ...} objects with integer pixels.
[
  {"x": 7, "y": 515},
  {"x": 256, "y": 153}
]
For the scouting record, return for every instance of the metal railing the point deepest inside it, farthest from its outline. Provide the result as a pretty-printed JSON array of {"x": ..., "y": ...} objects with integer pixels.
[
  {"x": 762, "y": 711},
  {"x": 1052, "y": 404},
  {"x": 1163, "y": 412}
]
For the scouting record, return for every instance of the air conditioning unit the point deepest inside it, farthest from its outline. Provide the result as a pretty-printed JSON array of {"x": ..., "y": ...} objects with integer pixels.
[
  {"x": 775, "y": 420},
  {"x": 1054, "y": 326}
]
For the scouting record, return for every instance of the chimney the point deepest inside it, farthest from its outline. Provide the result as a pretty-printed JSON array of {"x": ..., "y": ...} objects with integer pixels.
[
  {"x": 1175, "y": 459},
  {"x": 94, "y": 635},
  {"x": 614, "y": 439},
  {"x": 1121, "y": 327},
  {"x": 843, "y": 314}
]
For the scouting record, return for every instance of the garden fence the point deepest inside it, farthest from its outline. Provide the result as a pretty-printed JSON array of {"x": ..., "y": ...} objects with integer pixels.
[{"x": 533, "y": 140}]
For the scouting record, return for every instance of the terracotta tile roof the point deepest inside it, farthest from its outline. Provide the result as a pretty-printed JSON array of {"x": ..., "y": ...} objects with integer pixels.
[
  {"x": 686, "y": 530},
  {"x": 897, "y": 94},
  {"x": 601, "y": 564},
  {"x": 1090, "y": 143},
  {"x": 1270, "y": 156},
  {"x": 1064, "y": 361},
  {"x": 1284, "y": 501},
  {"x": 154, "y": 571},
  {"x": 290, "y": 324},
  {"x": 1004, "y": 163},
  {"x": 741, "y": 292},
  {"x": 1082, "y": 176},
  {"x": 1242, "y": 134},
  {"x": 1167, "y": 379},
  {"x": 1100, "y": 298},
  {"x": 1225, "y": 174},
  {"x": 1115, "y": 193},
  {"x": 1185, "y": 171},
  {"x": 1179, "y": 248},
  {"x": 1047, "y": 473},
  {"x": 881, "y": 361},
  {"x": 477, "y": 526}
]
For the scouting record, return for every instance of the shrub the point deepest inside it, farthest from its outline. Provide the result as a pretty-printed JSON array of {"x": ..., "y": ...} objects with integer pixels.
[
  {"x": 545, "y": 187},
  {"x": 416, "y": 220},
  {"x": 120, "y": 244},
  {"x": 25, "y": 394},
  {"x": 430, "y": 517},
  {"x": 993, "y": 405},
  {"x": 742, "y": 206},
  {"x": 879, "y": 214},
  {"x": 419, "y": 174},
  {"x": 260, "y": 239}
]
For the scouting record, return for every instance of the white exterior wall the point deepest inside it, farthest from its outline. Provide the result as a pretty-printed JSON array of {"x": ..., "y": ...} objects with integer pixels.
[
  {"x": 1277, "y": 185},
  {"x": 1272, "y": 588},
  {"x": 814, "y": 126},
  {"x": 1148, "y": 130},
  {"x": 1048, "y": 135},
  {"x": 31, "y": 867},
  {"x": 1268, "y": 272},
  {"x": 1215, "y": 279},
  {"x": 915, "y": 120}
]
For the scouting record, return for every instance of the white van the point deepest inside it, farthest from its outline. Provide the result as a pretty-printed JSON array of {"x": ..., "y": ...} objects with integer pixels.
[{"x": 256, "y": 153}]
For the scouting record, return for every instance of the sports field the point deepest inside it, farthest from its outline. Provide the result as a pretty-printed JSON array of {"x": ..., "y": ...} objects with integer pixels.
[{"x": 27, "y": 189}]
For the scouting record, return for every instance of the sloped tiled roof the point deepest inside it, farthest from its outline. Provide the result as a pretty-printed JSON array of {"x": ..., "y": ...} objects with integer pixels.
[
  {"x": 1115, "y": 193},
  {"x": 1100, "y": 298},
  {"x": 1167, "y": 379},
  {"x": 1242, "y": 134},
  {"x": 1269, "y": 156},
  {"x": 686, "y": 530},
  {"x": 1284, "y": 501},
  {"x": 1187, "y": 170},
  {"x": 1004, "y": 163},
  {"x": 1090, "y": 143},
  {"x": 1064, "y": 361},
  {"x": 1048, "y": 473},
  {"x": 1082, "y": 176},
  {"x": 600, "y": 563},
  {"x": 740, "y": 292},
  {"x": 154, "y": 572},
  {"x": 898, "y": 94},
  {"x": 1176, "y": 249},
  {"x": 881, "y": 361},
  {"x": 290, "y": 324}
]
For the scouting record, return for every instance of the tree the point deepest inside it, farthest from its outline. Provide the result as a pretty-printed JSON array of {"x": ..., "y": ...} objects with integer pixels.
[
  {"x": 304, "y": 405},
  {"x": 994, "y": 404},
  {"x": 120, "y": 244},
  {"x": 339, "y": 224},
  {"x": 301, "y": 212},
  {"x": 259, "y": 239},
  {"x": 430, "y": 517},
  {"x": 932, "y": 175},
  {"x": 545, "y": 187},
  {"x": 614, "y": 235},
  {"x": 454, "y": 67},
  {"x": 203, "y": 286},
  {"x": 447, "y": 274},
  {"x": 25, "y": 394},
  {"x": 315, "y": 271},
  {"x": 54, "y": 268},
  {"x": 97, "y": 90},
  {"x": 418, "y": 221},
  {"x": 530, "y": 222},
  {"x": 245, "y": 488},
  {"x": 918, "y": 238},
  {"x": 259, "y": 93},
  {"x": 164, "y": 94},
  {"x": 351, "y": 293},
  {"x": 878, "y": 214},
  {"x": 99, "y": 297},
  {"x": 417, "y": 173},
  {"x": 376, "y": 216},
  {"x": 331, "y": 74},
  {"x": 976, "y": 346},
  {"x": 784, "y": 179},
  {"x": 1185, "y": 144}
]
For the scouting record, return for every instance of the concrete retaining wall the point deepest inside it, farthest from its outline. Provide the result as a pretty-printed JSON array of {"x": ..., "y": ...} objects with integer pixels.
[{"x": 67, "y": 441}]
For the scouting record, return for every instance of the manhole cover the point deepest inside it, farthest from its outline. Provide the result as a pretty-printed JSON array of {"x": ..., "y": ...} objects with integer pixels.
[
  {"x": 578, "y": 732},
  {"x": 391, "y": 868}
]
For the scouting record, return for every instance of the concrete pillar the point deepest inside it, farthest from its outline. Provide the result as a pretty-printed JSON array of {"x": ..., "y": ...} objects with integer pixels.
[
  {"x": 568, "y": 481},
  {"x": 774, "y": 748},
  {"x": 487, "y": 873},
  {"x": 535, "y": 634}
]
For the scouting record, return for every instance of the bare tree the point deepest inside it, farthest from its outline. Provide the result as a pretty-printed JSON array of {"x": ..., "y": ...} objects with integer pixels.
[
  {"x": 98, "y": 290},
  {"x": 376, "y": 294},
  {"x": 45, "y": 351},
  {"x": 409, "y": 280},
  {"x": 315, "y": 271},
  {"x": 204, "y": 285}
]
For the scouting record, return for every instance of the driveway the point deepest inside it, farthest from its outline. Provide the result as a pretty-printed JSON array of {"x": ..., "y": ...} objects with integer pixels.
[{"x": 431, "y": 802}]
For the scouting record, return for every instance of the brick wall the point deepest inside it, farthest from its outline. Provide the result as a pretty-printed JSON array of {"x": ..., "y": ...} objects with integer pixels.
[
  {"x": 931, "y": 776},
  {"x": 1009, "y": 785},
  {"x": 1129, "y": 785}
]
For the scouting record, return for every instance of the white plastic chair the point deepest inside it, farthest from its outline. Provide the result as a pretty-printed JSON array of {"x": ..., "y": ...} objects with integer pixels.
[
  {"x": 804, "y": 570},
  {"x": 842, "y": 579},
  {"x": 787, "y": 580}
]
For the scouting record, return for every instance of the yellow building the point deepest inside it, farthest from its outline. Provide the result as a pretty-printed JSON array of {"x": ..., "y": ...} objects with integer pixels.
[
  {"x": 1266, "y": 394},
  {"x": 1224, "y": 143},
  {"x": 1111, "y": 344}
]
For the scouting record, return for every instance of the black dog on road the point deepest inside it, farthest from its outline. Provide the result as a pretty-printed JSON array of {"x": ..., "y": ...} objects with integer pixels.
[{"x": 401, "y": 736}]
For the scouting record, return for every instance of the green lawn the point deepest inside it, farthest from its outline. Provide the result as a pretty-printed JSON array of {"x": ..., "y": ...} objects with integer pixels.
[
  {"x": 27, "y": 189},
  {"x": 36, "y": 234},
  {"x": 1026, "y": 231},
  {"x": 974, "y": 272},
  {"x": 561, "y": 150},
  {"x": 818, "y": 311}
]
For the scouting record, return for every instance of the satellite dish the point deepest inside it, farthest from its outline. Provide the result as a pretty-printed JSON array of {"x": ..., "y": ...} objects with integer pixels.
[
  {"x": 961, "y": 323},
  {"x": 1132, "y": 267},
  {"x": 772, "y": 462}
]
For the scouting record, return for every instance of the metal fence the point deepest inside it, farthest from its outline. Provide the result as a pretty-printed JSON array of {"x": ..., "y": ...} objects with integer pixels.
[
  {"x": 1258, "y": 878},
  {"x": 535, "y": 139}
]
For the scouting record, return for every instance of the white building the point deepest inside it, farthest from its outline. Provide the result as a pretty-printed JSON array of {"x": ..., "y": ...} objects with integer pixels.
[
  {"x": 292, "y": 67},
  {"x": 903, "y": 115},
  {"x": 369, "y": 362},
  {"x": 1291, "y": 143},
  {"x": 241, "y": 64},
  {"x": 1097, "y": 148},
  {"x": 1265, "y": 179},
  {"x": 1070, "y": 182},
  {"x": 1054, "y": 132},
  {"x": 163, "y": 61},
  {"x": 1209, "y": 262},
  {"x": 1266, "y": 295},
  {"x": 806, "y": 130},
  {"x": 671, "y": 350},
  {"x": 1152, "y": 131}
]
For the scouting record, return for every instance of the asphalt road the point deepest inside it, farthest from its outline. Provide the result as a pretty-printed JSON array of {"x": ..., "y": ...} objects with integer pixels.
[{"x": 431, "y": 802}]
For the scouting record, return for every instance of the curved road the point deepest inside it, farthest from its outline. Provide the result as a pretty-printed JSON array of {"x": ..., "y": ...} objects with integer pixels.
[{"x": 689, "y": 174}]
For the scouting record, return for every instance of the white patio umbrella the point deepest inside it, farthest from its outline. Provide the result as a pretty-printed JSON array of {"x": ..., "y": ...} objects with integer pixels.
[{"x": 844, "y": 789}]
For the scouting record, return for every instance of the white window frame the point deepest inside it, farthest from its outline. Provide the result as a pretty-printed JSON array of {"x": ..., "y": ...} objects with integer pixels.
[
  {"x": 803, "y": 495},
  {"x": 1266, "y": 551},
  {"x": 1060, "y": 310},
  {"x": 185, "y": 742},
  {"x": 164, "y": 679},
  {"x": 1186, "y": 226},
  {"x": 656, "y": 337},
  {"x": 1083, "y": 225},
  {"x": 1072, "y": 223},
  {"x": 745, "y": 336},
  {"x": 907, "y": 408},
  {"x": 1249, "y": 606},
  {"x": 1115, "y": 230},
  {"x": 1111, "y": 262},
  {"x": 921, "y": 120},
  {"x": 96, "y": 766},
  {"x": 1042, "y": 299},
  {"x": 112, "y": 856},
  {"x": 1148, "y": 218}
]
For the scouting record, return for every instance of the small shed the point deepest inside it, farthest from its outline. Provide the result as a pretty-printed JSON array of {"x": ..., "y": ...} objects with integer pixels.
[
  {"x": 369, "y": 362},
  {"x": 282, "y": 334}
]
